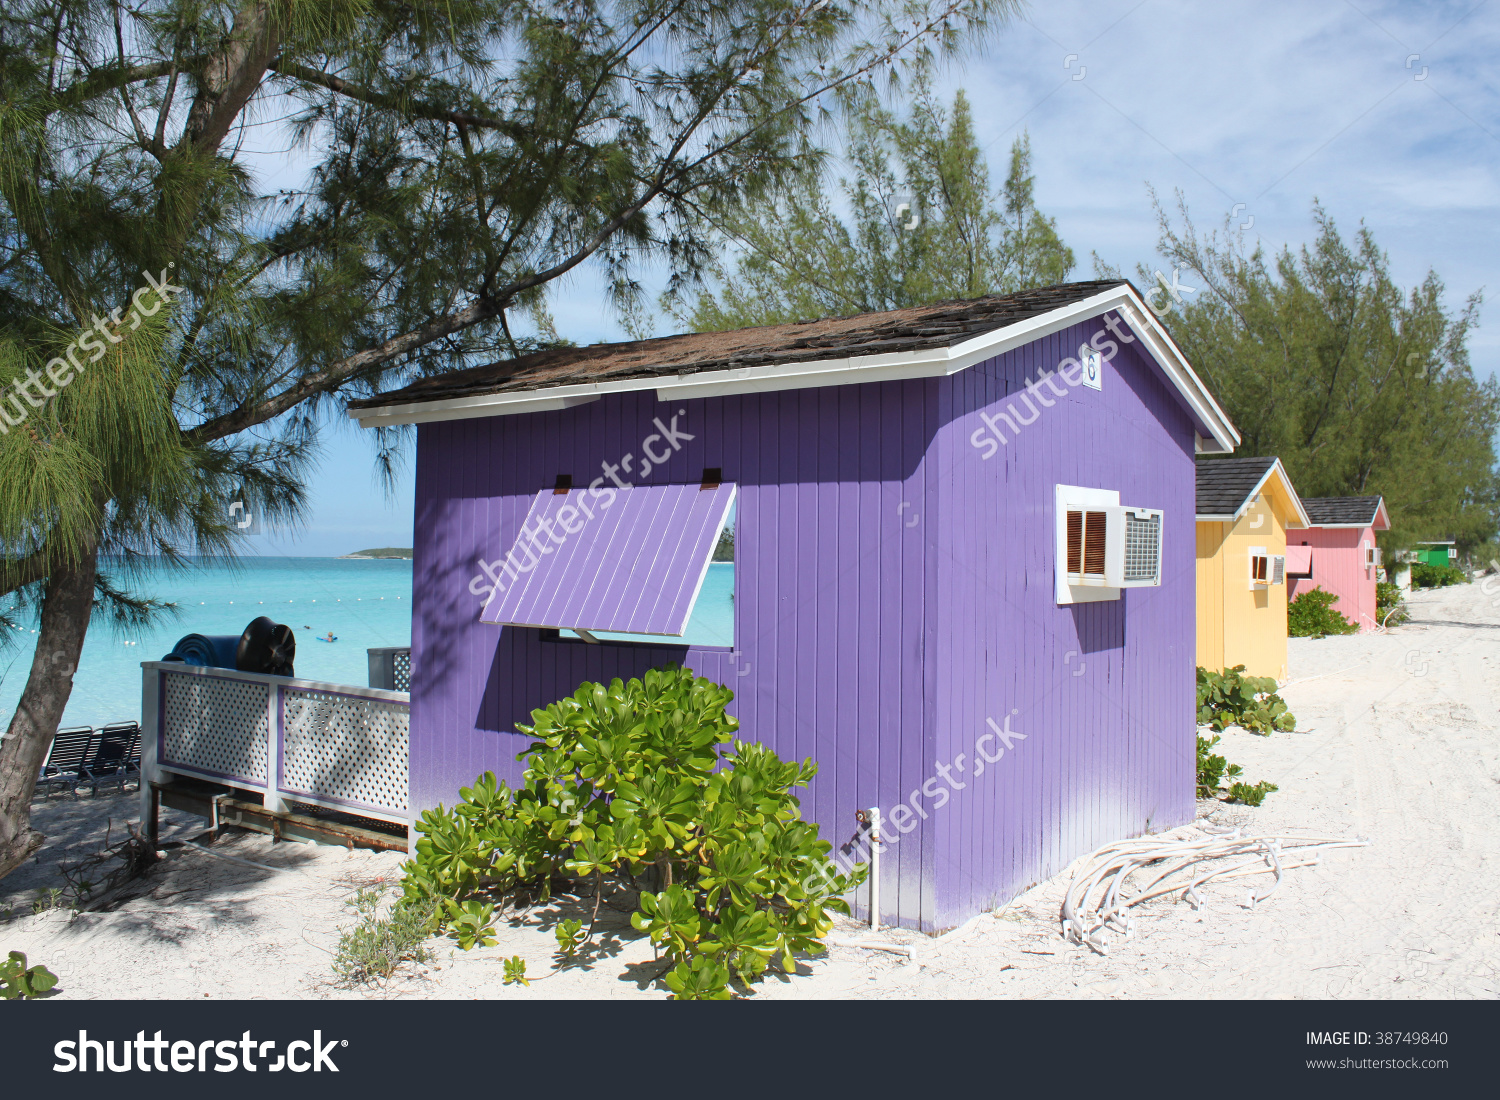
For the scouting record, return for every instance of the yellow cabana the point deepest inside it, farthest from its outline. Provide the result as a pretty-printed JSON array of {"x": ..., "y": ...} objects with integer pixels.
[{"x": 1245, "y": 506}]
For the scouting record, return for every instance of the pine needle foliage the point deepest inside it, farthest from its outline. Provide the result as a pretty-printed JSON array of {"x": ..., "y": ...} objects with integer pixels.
[
  {"x": 923, "y": 225},
  {"x": 1359, "y": 385},
  {"x": 464, "y": 157}
]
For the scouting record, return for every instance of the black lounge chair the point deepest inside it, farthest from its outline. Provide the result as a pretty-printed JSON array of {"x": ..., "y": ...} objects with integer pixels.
[
  {"x": 116, "y": 757},
  {"x": 66, "y": 758}
]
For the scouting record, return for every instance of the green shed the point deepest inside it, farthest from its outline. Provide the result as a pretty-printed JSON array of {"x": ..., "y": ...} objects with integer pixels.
[{"x": 1437, "y": 553}]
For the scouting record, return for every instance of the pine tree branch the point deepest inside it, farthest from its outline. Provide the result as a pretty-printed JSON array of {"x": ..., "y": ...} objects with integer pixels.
[
  {"x": 19, "y": 572},
  {"x": 410, "y": 108}
]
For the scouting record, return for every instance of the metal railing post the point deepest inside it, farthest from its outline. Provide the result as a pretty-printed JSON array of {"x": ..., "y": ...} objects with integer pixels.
[
  {"x": 274, "y": 730},
  {"x": 151, "y": 733}
]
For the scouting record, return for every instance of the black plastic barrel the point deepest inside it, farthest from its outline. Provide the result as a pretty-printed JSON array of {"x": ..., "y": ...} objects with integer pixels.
[
  {"x": 264, "y": 646},
  {"x": 206, "y": 650}
]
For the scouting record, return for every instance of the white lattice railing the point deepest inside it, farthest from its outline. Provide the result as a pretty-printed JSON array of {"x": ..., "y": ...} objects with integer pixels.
[{"x": 339, "y": 746}]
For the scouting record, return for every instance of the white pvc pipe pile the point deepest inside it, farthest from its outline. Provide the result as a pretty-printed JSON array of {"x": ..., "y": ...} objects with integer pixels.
[{"x": 1109, "y": 872}]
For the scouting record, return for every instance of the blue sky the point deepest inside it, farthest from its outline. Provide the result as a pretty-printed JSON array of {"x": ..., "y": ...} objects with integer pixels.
[{"x": 1386, "y": 113}]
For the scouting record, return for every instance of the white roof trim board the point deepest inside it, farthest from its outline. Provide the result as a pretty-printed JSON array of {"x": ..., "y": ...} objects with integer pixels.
[
  {"x": 1221, "y": 435},
  {"x": 1274, "y": 468}
]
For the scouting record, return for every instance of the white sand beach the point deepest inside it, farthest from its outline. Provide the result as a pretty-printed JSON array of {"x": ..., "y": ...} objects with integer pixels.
[{"x": 1398, "y": 742}]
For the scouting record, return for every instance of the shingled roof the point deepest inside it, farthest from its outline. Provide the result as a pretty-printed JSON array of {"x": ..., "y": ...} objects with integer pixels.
[
  {"x": 917, "y": 328},
  {"x": 931, "y": 341},
  {"x": 1345, "y": 511},
  {"x": 1226, "y": 486}
]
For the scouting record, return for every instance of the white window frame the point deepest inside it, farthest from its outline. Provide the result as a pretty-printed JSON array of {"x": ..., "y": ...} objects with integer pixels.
[
  {"x": 1108, "y": 585},
  {"x": 1259, "y": 552}
]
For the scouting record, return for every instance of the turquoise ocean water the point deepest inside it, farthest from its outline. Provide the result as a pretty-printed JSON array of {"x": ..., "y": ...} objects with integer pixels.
[{"x": 365, "y": 604}]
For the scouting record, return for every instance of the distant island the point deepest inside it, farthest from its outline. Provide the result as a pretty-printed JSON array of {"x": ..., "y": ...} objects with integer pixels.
[{"x": 383, "y": 552}]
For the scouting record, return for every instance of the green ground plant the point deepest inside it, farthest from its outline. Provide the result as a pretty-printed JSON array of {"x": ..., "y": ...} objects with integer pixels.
[
  {"x": 570, "y": 937},
  {"x": 1248, "y": 793},
  {"x": 629, "y": 786},
  {"x": 1213, "y": 769},
  {"x": 1311, "y": 615},
  {"x": 1390, "y": 608},
  {"x": 1230, "y": 698},
  {"x": 20, "y": 982},
  {"x": 1435, "y": 576},
  {"x": 377, "y": 943}
]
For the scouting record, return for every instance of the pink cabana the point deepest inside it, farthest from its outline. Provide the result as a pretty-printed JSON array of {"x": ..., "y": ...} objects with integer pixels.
[{"x": 1337, "y": 553}]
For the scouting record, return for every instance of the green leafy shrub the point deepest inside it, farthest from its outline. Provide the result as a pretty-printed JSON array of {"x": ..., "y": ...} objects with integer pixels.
[
  {"x": 1387, "y": 600},
  {"x": 1213, "y": 769},
  {"x": 377, "y": 944},
  {"x": 570, "y": 937},
  {"x": 1230, "y": 698},
  {"x": 1250, "y": 795},
  {"x": 1435, "y": 576},
  {"x": 19, "y": 982},
  {"x": 515, "y": 971},
  {"x": 1311, "y": 615},
  {"x": 471, "y": 923},
  {"x": 627, "y": 781}
]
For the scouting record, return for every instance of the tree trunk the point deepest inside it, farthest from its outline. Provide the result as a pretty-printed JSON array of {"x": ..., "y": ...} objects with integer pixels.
[{"x": 66, "y": 607}]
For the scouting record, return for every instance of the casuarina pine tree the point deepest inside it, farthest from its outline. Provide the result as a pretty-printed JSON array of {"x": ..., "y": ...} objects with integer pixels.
[{"x": 463, "y": 158}]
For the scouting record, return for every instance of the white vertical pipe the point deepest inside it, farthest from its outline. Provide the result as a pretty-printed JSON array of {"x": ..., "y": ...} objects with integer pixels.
[
  {"x": 151, "y": 719},
  {"x": 874, "y": 868},
  {"x": 273, "y": 801}
]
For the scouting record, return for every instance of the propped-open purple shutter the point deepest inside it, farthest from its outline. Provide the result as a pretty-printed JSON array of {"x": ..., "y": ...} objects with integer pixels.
[{"x": 634, "y": 567}]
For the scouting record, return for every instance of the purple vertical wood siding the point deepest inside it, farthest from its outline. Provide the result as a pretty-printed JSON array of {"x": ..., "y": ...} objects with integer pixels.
[
  {"x": 893, "y": 590},
  {"x": 1103, "y": 692},
  {"x": 630, "y": 560}
]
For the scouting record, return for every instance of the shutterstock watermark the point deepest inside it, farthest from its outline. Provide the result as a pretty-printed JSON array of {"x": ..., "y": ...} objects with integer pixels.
[
  {"x": 109, "y": 328},
  {"x": 1071, "y": 371},
  {"x": 241, "y": 515},
  {"x": 85, "y": 1055},
  {"x": 532, "y": 545},
  {"x": 1175, "y": 289},
  {"x": 989, "y": 748}
]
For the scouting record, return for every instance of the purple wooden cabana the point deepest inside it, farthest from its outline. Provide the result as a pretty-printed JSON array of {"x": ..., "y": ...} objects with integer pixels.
[{"x": 963, "y": 577}]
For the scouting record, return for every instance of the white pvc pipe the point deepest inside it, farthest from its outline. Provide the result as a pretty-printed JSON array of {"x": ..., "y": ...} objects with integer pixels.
[{"x": 874, "y": 868}]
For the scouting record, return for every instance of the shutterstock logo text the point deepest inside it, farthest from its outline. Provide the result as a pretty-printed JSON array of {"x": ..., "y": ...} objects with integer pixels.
[{"x": 184, "y": 1056}]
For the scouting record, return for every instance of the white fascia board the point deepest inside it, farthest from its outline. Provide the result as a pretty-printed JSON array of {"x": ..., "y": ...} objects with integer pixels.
[
  {"x": 468, "y": 408},
  {"x": 848, "y": 370},
  {"x": 1171, "y": 359},
  {"x": 1275, "y": 468}
]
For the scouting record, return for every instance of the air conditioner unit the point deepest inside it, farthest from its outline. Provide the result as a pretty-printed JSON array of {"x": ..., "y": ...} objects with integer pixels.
[
  {"x": 1113, "y": 547},
  {"x": 1133, "y": 559}
]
